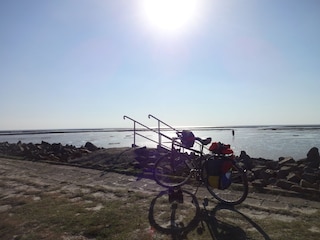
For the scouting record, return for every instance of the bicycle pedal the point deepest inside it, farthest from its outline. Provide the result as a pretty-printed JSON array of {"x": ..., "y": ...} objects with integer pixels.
[
  {"x": 205, "y": 202},
  {"x": 175, "y": 196},
  {"x": 180, "y": 198}
]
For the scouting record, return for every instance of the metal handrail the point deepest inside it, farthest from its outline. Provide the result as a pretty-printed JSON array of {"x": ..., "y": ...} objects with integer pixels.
[
  {"x": 160, "y": 121},
  {"x": 159, "y": 127},
  {"x": 150, "y": 129}
]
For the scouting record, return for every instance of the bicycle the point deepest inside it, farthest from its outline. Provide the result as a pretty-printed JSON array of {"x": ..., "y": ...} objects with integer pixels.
[{"x": 177, "y": 167}]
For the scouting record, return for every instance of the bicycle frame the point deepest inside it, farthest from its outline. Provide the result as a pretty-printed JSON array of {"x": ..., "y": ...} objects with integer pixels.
[
  {"x": 176, "y": 141},
  {"x": 197, "y": 161},
  {"x": 177, "y": 167}
]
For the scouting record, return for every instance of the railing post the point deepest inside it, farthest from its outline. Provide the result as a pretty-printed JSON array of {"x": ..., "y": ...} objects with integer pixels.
[
  {"x": 134, "y": 134},
  {"x": 134, "y": 130},
  {"x": 159, "y": 135},
  {"x": 159, "y": 122}
]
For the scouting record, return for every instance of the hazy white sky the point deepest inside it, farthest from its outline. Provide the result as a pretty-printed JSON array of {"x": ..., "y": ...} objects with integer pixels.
[{"x": 86, "y": 63}]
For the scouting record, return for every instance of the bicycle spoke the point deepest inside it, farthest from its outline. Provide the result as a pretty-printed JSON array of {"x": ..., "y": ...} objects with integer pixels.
[{"x": 171, "y": 172}]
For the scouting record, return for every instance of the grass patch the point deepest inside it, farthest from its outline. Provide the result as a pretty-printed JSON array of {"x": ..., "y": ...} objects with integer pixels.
[
  {"x": 126, "y": 217},
  {"x": 301, "y": 228},
  {"x": 53, "y": 217}
]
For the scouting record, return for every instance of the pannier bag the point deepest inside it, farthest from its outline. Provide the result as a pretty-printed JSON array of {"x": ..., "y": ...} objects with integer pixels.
[
  {"x": 219, "y": 172},
  {"x": 220, "y": 148},
  {"x": 187, "y": 138}
]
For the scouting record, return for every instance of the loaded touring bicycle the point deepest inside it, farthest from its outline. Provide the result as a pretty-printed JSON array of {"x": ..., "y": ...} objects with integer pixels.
[{"x": 219, "y": 171}]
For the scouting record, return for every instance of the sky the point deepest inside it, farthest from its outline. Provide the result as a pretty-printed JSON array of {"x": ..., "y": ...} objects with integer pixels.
[{"x": 87, "y": 63}]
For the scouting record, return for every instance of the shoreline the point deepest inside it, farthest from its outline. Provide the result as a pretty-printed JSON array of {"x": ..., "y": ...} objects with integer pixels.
[
  {"x": 127, "y": 129},
  {"x": 298, "y": 177}
]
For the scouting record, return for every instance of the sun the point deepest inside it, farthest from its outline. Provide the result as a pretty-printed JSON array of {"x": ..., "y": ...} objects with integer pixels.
[{"x": 170, "y": 16}]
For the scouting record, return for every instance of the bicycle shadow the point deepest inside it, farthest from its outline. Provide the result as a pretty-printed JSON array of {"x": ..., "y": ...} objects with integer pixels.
[
  {"x": 174, "y": 216},
  {"x": 183, "y": 218}
]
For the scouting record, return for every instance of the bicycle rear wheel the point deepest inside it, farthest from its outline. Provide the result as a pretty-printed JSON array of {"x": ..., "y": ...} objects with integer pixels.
[
  {"x": 171, "y": 170},
  {"x": 236, "y": 193}
]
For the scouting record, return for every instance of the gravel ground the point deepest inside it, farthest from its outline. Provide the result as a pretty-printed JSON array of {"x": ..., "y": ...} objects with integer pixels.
[{"x": 25, "y": 178}]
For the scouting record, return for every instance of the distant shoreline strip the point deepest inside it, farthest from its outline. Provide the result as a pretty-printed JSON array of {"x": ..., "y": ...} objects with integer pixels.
[{"x": 65, "y": 131}]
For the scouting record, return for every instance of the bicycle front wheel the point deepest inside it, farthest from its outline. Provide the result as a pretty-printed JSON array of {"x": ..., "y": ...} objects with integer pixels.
[
  {"x": 171, "y": 170},
  {"x": 234, "y": 194}
]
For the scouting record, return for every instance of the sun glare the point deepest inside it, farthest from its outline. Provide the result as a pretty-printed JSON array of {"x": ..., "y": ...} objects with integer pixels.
[{"x": 170, "y": 16}]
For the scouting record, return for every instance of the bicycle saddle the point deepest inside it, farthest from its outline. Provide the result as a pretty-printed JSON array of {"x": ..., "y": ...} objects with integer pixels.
[{"x": 204, "y": 141}]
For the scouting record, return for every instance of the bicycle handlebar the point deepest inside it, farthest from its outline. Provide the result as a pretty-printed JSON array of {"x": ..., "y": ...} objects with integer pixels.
[{"x": 200, "y": 140}]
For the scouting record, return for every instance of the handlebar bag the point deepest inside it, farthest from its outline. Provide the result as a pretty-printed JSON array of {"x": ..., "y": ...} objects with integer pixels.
[
  {"x": 187, "y": 138},
  {"x": 219, "y": 172}
]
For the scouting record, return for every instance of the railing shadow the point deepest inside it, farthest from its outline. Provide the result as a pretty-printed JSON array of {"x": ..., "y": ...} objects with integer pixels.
[
  {"x": 179, "y": 214},
  {"x": 226, "y": 222}
]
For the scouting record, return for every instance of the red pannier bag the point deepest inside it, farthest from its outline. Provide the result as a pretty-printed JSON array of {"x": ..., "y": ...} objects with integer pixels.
[{"x": 220, "y": 148}]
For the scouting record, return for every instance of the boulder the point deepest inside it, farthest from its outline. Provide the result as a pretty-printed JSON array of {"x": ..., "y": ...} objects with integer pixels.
[
  {"x": 304, "y": 183},
  {"x": 274, "y": 165},
  {"x": 297, "y": 188},
  {"x": 56, "y": 147},
  {"x": 259, "y": 183},
  {"x": 250, "y": 176},
  {"x": 294, "y": 177},
  {"x": 284, "y": 184},
  {"x": 310, "y": 177},
  {"x": 313, "y": 158},
  {"x": 91, "y": 147},
  {"x": 258, "y": 171},
  {"x": 268, "y": 175},
  {"x": 283, "y": 172},
  {"x": 285, "y": 160},
  {"x": 246, "y": 159}
]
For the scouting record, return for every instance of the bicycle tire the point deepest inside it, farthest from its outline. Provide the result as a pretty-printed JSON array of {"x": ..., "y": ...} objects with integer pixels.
[
  {"x": 236, "y": 193},
  {"x": 171, "y": 170}
]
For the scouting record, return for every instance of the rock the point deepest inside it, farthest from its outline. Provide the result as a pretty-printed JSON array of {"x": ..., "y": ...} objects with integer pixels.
[
  {"x": 306, "y": 190},
  {"x": 297, "y": 188},
  {"x": 283, "y": 161},
  {"x": 52, "y": 157},
  {"x": 44, "y": 151},
  {"x": 304, "y": 183},
  {"x": 257, "y": 171},
  {"x": 43, "y": 143},
  {"x": 246, "y": 159},
  {"x": 268, "y": 175},
  {"x": 142, "y": 151},
  {"x": 250, "y": 176},
  {"x": 274, "y": 165},
  {"x": 310, "y": 177},
  {"x": 82, "y": 150},
  {"x": 283, "y": 172},
  {"x": 284, "y": 184},
  {"x": 135, "y": 164},
  {"x": 259, "y": 183},
  {"x": 313, "y": 192},
  {"x": 56, "y": 147},
  {"x": 91, "y": 147},
  {"x": 76, "y": 154},
  {"x": 293, "y": 177},
  {"x": 313, "y": 158}
]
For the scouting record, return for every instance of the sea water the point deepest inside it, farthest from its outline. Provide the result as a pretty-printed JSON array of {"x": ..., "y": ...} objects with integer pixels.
[{"x": 270, "y": 142}]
